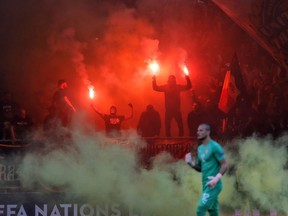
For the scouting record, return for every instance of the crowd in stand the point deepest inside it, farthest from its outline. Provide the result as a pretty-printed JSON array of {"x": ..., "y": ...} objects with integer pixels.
[
  {"x": 16, "y": 123},
  {"x": 262, "y": 111}
]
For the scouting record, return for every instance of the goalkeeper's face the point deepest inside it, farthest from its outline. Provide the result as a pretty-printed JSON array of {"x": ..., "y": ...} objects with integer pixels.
[{"x": 202, "y": 132}]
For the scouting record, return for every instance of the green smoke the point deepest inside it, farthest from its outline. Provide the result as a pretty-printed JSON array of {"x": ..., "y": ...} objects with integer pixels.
[
  {"x": 100, "y": 170},
  {"x": 259, "y": 175}
]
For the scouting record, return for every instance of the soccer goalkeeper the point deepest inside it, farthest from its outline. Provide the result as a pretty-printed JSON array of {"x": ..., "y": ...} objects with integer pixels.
[{"x": 212, "y": 163}]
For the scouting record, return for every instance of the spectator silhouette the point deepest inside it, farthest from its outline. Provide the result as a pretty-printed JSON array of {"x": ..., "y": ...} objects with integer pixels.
[
  {"x": 149, "y": 124},
  {"x": 195, "y": 118},
  {"x": 113, "y": 121},
  {"x": 7, "y": 112},
  {"x": 62, "y": 105},
  {"x": 172, "y": 101},
  {"x": 213, "y": 115},
  {"x": 22, "y": 125}
]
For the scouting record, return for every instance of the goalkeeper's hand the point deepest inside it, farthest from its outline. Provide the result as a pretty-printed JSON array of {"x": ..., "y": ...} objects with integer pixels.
[
  {"x": 213, "y": 180},
  {"x": 188, "y": 158}
]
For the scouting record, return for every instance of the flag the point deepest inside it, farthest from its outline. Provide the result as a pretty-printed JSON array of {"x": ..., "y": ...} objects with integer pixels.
[
  {"x": 237, "y": 73},
  {"x": 229, "y": 93},
  {"x": 233, "y": 86}
]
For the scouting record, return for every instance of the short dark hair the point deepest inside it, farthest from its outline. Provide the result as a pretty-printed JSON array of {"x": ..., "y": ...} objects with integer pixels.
[
  {"x": 113, "y": 107},
  {"x": 149, "y": 107},
  {"x": 207, "y": 126},
  {"x": 61, "y": 81}
]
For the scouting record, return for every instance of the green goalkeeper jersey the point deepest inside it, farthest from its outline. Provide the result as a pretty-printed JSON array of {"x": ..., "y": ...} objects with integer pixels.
[{"x": 209, "y": 157}]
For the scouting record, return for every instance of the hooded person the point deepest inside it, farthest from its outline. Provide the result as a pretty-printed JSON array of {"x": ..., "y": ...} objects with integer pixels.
[
  {"x": 172, "y": 92},
  {"x": 149, "y": 124}
]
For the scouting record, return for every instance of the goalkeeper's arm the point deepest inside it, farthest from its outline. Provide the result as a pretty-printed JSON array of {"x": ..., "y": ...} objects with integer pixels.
[
  {"x": 195, "y": 166},
  {"x": 191, "y": 163},
  {"x": 214, "y": 179}
]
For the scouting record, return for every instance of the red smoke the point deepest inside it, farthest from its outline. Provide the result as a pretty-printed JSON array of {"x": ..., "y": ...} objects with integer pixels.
[{"x": 107, "y": 44}]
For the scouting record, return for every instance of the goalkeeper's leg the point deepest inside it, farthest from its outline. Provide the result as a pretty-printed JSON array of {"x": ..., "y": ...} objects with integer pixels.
[
  {"x": 209, "y": 201},
  {"x": 214, "y": 210}
]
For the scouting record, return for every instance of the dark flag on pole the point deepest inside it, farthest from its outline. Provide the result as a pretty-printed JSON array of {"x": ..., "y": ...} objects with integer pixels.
[
  {"x": 233, "y": 86},
  {"x": 237, "y": 73}
]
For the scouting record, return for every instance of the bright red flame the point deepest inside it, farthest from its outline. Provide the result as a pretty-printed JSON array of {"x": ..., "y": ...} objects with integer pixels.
[
  {"x": 91, "y": 91},
  {"x": 185, "y": 70},
  {"x": 154, "y": 67}
]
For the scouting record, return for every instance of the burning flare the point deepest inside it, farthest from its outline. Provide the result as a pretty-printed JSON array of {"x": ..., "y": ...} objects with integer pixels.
[
  {"x": 91, "y": 91},
  {"x": 185, "y": 70},
  {"x": 154, "y": 67}
]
